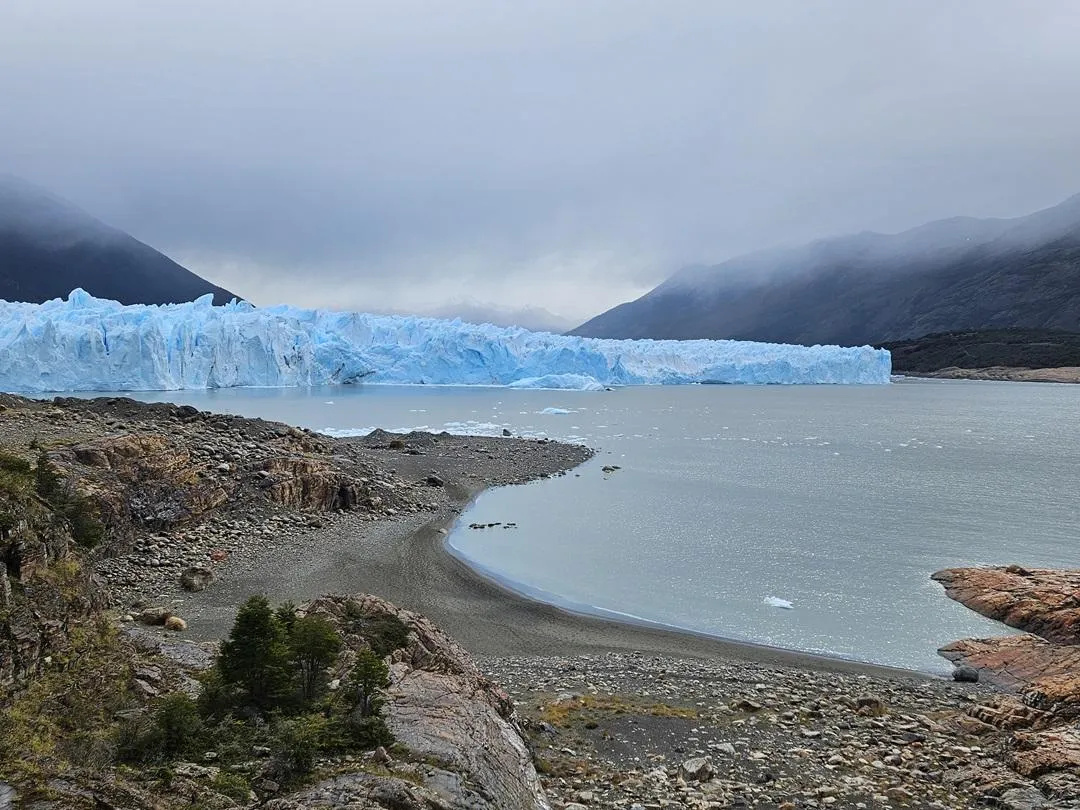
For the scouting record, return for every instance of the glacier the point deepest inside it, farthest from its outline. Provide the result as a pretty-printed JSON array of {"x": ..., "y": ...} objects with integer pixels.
[{"x": 88, "y": 344}]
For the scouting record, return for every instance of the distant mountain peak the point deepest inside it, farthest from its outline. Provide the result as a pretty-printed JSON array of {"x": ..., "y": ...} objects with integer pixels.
[{"x": 50, "y": 246}]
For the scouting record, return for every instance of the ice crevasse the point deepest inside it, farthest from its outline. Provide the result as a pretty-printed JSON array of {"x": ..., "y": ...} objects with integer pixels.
[{"x": 89, "y": 344}]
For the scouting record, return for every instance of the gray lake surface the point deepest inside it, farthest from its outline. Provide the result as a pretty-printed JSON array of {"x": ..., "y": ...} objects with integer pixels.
[{"x": 731, "y": 501}]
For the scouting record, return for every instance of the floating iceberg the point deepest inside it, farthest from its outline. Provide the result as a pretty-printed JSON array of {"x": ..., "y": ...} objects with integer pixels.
[
  {"x": 87, "y": 344},
  {"x": 777, "y": 602}
]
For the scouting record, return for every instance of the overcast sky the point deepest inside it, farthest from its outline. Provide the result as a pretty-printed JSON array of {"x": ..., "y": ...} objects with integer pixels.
[{"x": 559, "y": 153}]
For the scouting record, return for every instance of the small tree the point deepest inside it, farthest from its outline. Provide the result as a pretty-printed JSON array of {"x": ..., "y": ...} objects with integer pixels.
[
  {"x": 363, "y": 722},
  {"x": 369, "y": 675},
  {"x": 314, "y": 644},
  {"x": 286, "y": 616},
  {"x": 255, "y": 658}
]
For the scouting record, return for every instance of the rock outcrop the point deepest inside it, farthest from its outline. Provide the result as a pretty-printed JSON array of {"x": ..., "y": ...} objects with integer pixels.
[
  {"x": 1016, "y": 661},
  {"x": 45, "y": 593},
  {"x": 1041, "y": 668},
  {"x": 1038, "y": 600},
  {"x": 449, "y": 716}
]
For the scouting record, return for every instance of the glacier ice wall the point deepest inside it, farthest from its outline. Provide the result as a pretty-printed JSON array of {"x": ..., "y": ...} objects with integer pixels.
[{"x": 87, "y": 344}]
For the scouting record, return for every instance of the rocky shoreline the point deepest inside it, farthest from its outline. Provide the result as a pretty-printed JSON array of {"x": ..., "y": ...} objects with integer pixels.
[
  {"x": 1039, "y": 668},
  {"x": 612, "y": 715},
  {"x": 1002, "y": 374}
]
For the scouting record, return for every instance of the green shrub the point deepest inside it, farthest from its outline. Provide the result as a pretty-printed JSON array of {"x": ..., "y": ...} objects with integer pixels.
[
  {"x": 297, "y": 743},
  {"x": 46, "y": 478},
  {"x": 178, "y": 721},
  {"x": 366, "y": 732},
  {"x": 216, "y": 699},
  {"x": 172, "y": 732},
  {"x": 384, "y": 633},
  {"x": 86, "y": 528},
  {"x": 286, "y": 616}
]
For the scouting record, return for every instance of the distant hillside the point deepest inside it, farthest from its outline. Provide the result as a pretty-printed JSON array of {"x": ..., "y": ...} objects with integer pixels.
[
  {"x": 1013, "y": 348},
  {"x": 48, "y": 247},
  {"x": 956, "y": 274}
]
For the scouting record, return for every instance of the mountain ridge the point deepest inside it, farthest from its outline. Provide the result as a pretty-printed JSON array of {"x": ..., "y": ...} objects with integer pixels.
[
  {"x": 49, "y": 246},
  {"x": 953, "y": 274}
]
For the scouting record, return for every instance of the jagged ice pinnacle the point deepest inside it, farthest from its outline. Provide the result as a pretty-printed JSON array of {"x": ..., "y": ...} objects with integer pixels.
[{"x": 88, "y": 344}]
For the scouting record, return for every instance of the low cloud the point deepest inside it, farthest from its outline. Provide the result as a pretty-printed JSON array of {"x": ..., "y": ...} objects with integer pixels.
[{"x": 557, "y": 154}]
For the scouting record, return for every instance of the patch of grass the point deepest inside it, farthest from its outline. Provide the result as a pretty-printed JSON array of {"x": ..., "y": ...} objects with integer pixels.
[
  {"x": 64, "y": 720},
  {"x": 562, "y": 767},
  {"x": 15, "y": 465},
  {"x": 589, "y": 707},
  {"x": 235, "y": 786},
  {"x": 66, "y": 575}
]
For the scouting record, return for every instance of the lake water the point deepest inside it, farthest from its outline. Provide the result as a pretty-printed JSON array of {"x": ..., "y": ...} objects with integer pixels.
[{"x": 839, "y": 500}]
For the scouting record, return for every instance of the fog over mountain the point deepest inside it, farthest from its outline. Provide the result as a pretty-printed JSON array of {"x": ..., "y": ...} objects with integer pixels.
[
  {"x": 536, "y": 319},
  {"x": 395, "y": 154},
  {"x": 48, "y": 247},
  {"x": 958, "y": 273}
]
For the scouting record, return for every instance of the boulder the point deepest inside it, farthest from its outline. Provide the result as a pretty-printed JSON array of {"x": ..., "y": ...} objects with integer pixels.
[
  {"x": 697, "y": 769},
  {"x": 1047, "y": 676},
  {"x": 153, "y": 616},
  {"x": 443, "y": 710},
  {"x": 965, "y": 674},
  {"x": 1039, "y": 752},
  {"x": 196, "y": 578},
  {"x": 869, "y": 704},
  {"x": 1023, "y": 799},
  {"x": 176, "y": 624}
]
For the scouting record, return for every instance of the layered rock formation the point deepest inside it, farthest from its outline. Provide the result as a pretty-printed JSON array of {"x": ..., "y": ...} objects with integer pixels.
[
  {"x": 1039, "y": 600},
  {"x": 1041, "y": 668}
]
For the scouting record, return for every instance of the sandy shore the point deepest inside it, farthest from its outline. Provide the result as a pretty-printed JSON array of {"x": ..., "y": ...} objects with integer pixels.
[
  {"x": 1065, "y": 374},
  {"x": 406, "y": 561}
]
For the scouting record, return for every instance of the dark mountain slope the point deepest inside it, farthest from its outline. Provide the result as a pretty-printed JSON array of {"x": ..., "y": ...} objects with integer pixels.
[
  {"x": 957, "y": 274},
  {"x": 48, "y": 247},
  {"x": 1010, "y": 348}
]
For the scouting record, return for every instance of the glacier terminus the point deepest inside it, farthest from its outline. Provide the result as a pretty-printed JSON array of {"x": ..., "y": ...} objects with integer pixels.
[{"x": 89, "y": 344}]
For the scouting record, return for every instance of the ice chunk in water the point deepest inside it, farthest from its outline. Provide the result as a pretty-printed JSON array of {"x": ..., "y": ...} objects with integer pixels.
[{"x": 777, "y": 602}]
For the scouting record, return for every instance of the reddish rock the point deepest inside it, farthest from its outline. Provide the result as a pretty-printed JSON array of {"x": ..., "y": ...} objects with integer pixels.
[
  {"x": 1040, "y": 601},
  {"x": 1014, "y": 661},
  {"x": 1008, "y": 713},
  {"x": 1039, "y": 752},
  {"x": 1045, "y": 672}
]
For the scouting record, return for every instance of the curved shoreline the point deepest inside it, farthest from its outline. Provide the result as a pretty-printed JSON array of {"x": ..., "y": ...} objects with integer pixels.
[
  {"x": 543, "y": 628},
  {"x": 405, "y": 559}
]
